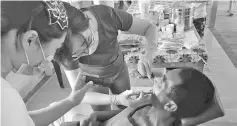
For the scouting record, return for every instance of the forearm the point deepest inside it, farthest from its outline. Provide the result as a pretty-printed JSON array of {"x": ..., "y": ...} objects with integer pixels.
[
  {"x": 151, "y": 39},
  {"x": 106, "y": 115},
  {"x": 46, "y": 116},
  {"x": 98, "y": 98}
]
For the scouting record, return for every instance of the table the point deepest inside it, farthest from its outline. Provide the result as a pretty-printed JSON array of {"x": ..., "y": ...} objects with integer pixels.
[
  {"x": 133, "y": 47},
  {"x": 168, "y": 56}
]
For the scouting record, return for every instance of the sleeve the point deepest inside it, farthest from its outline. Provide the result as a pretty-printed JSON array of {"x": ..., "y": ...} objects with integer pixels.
[
  {"x": 122, "y": 19},
  {"x": 14, "y": 112}
]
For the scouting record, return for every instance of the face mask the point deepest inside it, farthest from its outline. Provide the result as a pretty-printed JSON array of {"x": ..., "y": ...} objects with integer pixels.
[
  {"x": 20, "y": 81},
  {"x": 23, "y": 77},
  {"x": 95, "y": 41},
  {"x": 28, "y": 74},
  {"x": 46, "y": 65},
  {"x": 91, "y": 47}
]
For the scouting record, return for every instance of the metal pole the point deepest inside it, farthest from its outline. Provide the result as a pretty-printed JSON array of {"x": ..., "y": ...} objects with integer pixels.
[{"x": 212, "y": 16}]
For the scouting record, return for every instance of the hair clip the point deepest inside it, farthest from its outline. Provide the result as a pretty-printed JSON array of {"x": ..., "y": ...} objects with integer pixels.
[{"x": 57, "y": 13}]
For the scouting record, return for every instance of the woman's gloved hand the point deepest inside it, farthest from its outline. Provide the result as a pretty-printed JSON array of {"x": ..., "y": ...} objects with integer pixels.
[
  {"x": 133, "y": 99},
  {"x": 144, "y": 67}
]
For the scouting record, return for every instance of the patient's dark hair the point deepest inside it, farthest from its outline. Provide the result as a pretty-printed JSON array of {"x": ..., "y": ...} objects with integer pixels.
[
  {"x": 78, "y": 22},
  {"x": 194, "y": 93}
]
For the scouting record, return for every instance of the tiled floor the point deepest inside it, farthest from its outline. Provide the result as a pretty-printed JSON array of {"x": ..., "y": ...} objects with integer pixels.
[
  {"x": 223, "y": 75},
  {"x": 226, "y": 28}
]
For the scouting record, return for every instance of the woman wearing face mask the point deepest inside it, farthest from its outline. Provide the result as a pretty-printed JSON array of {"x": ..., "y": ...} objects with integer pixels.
[
  {"x": 29, "y": 30},
  {"x": 33, "y": 29},
  {"x": 92, "y": 47}
]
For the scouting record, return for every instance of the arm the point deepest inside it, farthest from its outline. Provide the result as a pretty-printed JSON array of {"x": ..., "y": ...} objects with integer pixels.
[
  {"x": 98, "y": 98},
  {"x": 214, "y": 111},
  {"x": 149, "y": 30},
  {"x": 132, "y": 25},
  {"x": 129, "y": 24},
  {"x": 48, "y": 115}
]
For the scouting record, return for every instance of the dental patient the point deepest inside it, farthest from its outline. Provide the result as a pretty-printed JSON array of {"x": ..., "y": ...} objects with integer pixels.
[{"x": 180, "y": 93}]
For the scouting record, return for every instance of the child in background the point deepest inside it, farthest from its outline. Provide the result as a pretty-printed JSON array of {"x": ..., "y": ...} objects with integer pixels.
[
  {"x": 123, "y": 4},
  {"x": 200, "y": 14},
  {"x": 230, "y": 8}
]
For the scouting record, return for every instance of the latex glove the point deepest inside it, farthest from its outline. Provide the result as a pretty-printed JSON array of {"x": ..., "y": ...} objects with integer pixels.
[
  {"x": 80, "y": 88},
  {"x": 144, "y": 67},
  {"x": 90, "y": 120},
  {"x": 126, "y": 98}
]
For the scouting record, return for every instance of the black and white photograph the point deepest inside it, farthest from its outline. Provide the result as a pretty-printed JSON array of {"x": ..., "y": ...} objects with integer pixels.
[{"x": 118, "y": 62}]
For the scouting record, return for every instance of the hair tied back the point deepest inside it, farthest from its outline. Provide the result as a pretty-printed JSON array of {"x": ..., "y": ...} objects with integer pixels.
[{"x": 57, "y": 13}]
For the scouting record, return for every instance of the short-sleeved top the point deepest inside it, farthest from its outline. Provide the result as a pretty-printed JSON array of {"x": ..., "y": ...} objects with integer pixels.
[
  {"x": 109, "y": 20},
  {"x": 13, "y": 108}
]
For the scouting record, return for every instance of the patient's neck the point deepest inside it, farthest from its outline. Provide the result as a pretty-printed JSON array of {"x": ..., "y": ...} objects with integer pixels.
[
  {"x": 158, "y": 115},
  {"x": 156, "y": 102}
]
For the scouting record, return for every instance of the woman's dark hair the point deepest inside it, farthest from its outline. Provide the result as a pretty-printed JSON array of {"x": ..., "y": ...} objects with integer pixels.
[
  {"x": 29, "y": 15},
  {"x": 78, "y": 22}
]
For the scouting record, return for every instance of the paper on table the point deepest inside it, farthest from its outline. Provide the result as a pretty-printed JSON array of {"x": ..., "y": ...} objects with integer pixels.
[
  {"x": 197, "y": 4},
  {"x": 191, "y": 39}
]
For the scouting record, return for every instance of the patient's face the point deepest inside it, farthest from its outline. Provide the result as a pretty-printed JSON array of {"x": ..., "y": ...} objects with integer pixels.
[{"x": 162, "y": 85}]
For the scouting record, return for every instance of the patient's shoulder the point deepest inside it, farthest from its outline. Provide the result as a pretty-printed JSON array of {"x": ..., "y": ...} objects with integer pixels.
[{"x": 151, "y": 116}]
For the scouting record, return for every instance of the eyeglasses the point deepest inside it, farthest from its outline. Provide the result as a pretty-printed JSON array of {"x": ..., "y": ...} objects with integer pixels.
[{"x": 82, "y": 52}]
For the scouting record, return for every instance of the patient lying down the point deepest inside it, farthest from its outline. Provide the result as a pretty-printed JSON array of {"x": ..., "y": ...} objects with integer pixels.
[{"x": 180, "y": 93}]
